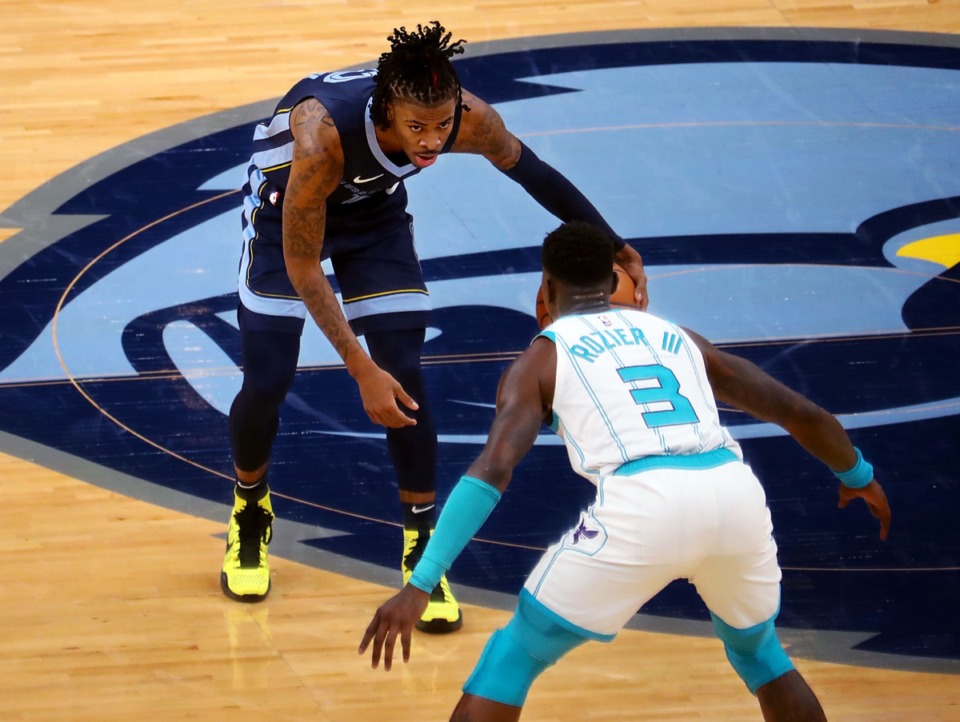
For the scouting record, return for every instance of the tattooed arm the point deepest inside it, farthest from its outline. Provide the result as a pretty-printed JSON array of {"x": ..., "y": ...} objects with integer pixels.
[
  {"x": 314, "y": 174},
  {"x": 483, "y": 132}
]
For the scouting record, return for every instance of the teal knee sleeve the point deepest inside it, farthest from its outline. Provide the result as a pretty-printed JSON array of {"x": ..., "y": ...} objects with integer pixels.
[
  {"x": 755, "y": 653},
  {"x": 517, "y": 654},
  {"x": 505, "y": 671}
]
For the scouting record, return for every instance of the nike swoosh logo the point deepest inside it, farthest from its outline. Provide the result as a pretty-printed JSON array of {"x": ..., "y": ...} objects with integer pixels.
[
  {"x": 420, "y": 509},
  {"x": 359, "y": 180}
]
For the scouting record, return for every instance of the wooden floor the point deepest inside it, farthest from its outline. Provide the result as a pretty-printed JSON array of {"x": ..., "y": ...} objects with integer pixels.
[{"x": 111, "y": 609}]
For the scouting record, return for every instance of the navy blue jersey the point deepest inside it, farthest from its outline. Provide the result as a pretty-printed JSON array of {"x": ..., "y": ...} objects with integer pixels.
[
  {"x": 371, "y": 190},
  {"x": 369, "y": 235}
]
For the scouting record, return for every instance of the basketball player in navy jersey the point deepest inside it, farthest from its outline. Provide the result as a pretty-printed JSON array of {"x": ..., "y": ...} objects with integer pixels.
[
  {"x": 326, "y": 180},
  {"x": 634, "y": 398}
]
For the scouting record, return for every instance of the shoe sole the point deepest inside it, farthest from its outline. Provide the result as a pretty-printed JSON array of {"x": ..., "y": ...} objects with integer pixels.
[
  {"x": 440, "y": 626},
  {"x": 245, "y": 598}
]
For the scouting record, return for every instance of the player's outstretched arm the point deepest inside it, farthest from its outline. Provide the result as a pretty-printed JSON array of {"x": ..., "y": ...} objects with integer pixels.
[
  {"x": 524, "y": 396},
  {"x": 482, "y": 131},
  {"x": 314, "y": 174},
  {"x": 749, "y": 388},
  {"x": 526, "y": 389}
]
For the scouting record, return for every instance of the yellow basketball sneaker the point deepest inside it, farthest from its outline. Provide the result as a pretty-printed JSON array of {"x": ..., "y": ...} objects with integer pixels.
[
  {"x": 443, "y": 614},
  {"x": 246, "y": 570}
]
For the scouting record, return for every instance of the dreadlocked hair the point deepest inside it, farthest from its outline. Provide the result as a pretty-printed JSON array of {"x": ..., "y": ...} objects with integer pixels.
[{"x": 417, "y": 68}]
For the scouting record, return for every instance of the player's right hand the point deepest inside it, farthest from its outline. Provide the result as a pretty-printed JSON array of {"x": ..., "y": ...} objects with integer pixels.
[
  {"x": 631, "y": 262},
  {"x": 876, "y": 501},
  {"x": 382, "y": 395},
  {"x": 395, "y": 618}
]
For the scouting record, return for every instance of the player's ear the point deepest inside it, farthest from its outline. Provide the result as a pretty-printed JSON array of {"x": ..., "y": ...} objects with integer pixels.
[
  {"x": 549, "y": 290},
  {"x": 614, "y": 282}
]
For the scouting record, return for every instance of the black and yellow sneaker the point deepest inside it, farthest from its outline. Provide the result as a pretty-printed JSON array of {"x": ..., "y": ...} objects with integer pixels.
[
  {"x": 246, "y": 570},
  {"x": 443, "y": 614}
]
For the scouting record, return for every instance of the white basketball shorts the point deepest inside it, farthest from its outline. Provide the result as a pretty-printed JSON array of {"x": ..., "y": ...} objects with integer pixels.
[{"x": 710, "y": 526}]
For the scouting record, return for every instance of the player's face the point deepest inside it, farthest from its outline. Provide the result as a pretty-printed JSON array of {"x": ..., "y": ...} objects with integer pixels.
[{"x": 421, "y": 130}]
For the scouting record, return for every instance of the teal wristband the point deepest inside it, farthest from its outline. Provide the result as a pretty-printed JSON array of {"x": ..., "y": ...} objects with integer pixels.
[
  {"x": 467, "y": 507},
  {"x": 859, "y": 476}
]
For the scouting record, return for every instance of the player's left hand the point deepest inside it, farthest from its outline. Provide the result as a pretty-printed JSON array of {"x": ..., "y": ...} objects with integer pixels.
[
  {"x": 876, "y": 501},
  {"x": 631, "y": 262},
  {"x": 396, "y": 616}
]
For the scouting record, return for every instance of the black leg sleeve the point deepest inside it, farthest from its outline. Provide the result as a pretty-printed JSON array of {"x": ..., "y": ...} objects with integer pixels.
[
  {"x": 413, "y": 449},
  {"x": 269, "y": 367}
]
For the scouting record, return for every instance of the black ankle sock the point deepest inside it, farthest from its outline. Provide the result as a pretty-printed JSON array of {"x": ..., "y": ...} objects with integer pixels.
[{"x": 419, "y": 516}]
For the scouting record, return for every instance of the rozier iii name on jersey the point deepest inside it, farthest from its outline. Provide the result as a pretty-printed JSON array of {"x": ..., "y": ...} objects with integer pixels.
[{"x": 594, "y": 343}]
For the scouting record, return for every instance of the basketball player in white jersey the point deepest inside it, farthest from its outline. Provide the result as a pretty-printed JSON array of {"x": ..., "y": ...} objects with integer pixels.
[{"x": 634, "y": 398}]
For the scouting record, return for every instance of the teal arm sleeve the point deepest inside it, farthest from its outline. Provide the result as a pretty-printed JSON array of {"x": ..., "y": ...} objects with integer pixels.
[{"x": 467, "y": 507}]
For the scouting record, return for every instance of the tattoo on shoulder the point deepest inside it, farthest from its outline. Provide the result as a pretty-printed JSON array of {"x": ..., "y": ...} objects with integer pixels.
[
  {"x": 317, "y": 155},
  {"x": 310, "y": 115},
  {"x": 486, "y": 132}
]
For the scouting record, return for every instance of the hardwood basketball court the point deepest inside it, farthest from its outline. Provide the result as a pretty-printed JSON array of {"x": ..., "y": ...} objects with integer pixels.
[{"x": 112, "y": 609}]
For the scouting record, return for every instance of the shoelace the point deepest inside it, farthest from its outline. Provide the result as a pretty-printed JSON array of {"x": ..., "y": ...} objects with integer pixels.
[
  {"x": 437, "y": 594},
  {"x": 411, "y": 559},
  {"x": 256, "y": 524}
]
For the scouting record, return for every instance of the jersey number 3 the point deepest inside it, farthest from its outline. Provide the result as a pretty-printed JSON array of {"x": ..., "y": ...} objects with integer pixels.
[{"x": 667, "y": 391}]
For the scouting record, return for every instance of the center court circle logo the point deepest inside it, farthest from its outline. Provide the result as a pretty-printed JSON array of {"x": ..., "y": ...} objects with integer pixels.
[{"x": 794, "y": 199}]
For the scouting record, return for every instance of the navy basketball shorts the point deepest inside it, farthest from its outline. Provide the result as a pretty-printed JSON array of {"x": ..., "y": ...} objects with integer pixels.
[{"x": 377, "y": 273}]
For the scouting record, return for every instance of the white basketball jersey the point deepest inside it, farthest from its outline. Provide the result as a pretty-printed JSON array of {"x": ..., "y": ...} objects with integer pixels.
[{"x": 630, "y": 385}]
